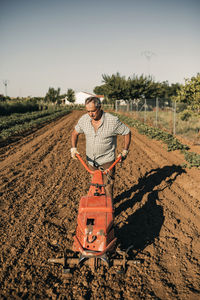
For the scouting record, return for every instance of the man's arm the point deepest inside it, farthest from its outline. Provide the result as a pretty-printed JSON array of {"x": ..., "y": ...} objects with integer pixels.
[
  {"x": 74, "y": 151},
  {"x": 127, "y": 141},
  {"x": 75, "y": 135}
]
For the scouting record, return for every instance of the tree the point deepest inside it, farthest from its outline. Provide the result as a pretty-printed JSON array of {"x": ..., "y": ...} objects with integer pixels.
[
  {"x": 52, "y": 95},
  {"x": 70, "y": 96},
  {"x": 117, "y": 87},
  {"x": 140, "y": 86},
  {"x": 100, "y": 90},
  {"x": 2, "y": 98},
  {"x": 166, "y": 91},
  {"x": 189, "y": 93}
]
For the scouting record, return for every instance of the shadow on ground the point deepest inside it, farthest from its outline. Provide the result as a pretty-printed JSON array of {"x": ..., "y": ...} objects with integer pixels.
[{"x": 142, "y": 227}]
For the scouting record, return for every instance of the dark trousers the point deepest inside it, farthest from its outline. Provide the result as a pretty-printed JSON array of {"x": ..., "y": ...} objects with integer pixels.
[{"x": 107, "y": 180}]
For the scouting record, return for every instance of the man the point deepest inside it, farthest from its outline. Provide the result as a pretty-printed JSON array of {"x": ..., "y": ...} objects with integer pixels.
[{"x": 101, "y": 130}]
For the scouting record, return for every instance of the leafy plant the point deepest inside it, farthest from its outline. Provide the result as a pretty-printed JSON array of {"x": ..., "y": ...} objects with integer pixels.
[
  {"x": 185, "y": 115},
  {"x": 192, "y": 158},
  {"x": 189, "y": 93}
]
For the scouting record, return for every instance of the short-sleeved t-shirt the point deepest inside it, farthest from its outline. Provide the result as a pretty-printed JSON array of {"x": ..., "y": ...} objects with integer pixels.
[{"x": 101, "y": 145}]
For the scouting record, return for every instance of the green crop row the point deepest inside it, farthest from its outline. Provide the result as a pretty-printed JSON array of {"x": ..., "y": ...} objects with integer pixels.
[
  {"x": 19, "y": 119},
  {"x": 172, "y": 143},
  {"x": 17, "y": 124},
  {"x": 192, "y": 158}
]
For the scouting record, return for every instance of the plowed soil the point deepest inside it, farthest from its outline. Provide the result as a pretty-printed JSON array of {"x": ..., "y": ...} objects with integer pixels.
[{"x": 157, "y": 210}]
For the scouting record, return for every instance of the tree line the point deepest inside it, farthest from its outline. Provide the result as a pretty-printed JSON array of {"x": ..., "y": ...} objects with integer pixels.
[
  {"x": 117, "y": 87},
  {"x": 52, "y": 96}
]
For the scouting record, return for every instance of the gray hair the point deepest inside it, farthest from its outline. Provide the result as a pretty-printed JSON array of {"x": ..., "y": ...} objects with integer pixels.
[{"x": 95, "y": 100}]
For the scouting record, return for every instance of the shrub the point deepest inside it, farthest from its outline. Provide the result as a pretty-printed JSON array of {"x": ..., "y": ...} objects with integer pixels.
[
  {"x": 185, "y": 115},
  {"x": 8, "y": 108}
]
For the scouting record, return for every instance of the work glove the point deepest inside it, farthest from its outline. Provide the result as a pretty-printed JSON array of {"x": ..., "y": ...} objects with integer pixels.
[
  {"x": 123, "y": 154},
  {"x": 74, "y": 152}
]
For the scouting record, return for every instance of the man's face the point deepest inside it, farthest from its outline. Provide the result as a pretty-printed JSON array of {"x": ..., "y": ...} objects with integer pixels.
[{"x": 93, "y": 111}]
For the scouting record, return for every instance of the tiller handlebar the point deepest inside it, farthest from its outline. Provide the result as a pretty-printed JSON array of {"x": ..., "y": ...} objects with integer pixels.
[
  {"x": 97, "y": 186},
  {"x": 105, "y": 171}
]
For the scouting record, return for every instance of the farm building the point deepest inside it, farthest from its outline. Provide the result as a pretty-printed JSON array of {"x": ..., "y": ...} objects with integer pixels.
[{"x": 81, "y": 96}]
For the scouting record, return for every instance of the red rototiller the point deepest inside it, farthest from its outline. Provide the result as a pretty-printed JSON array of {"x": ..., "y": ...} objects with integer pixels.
[{"x": 94, "y": 240}]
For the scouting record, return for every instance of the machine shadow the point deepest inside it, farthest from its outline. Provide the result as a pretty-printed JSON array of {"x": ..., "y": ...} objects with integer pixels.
[{"x": 142, "y": 227}]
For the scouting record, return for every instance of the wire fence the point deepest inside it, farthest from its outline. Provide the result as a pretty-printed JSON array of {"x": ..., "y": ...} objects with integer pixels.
[
  {"x": 156, "y": 112},
  {"x": 161, "y": 113}
]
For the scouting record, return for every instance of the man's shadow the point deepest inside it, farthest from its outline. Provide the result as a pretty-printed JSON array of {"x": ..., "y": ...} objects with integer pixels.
[{"x": 142, "y": 227}]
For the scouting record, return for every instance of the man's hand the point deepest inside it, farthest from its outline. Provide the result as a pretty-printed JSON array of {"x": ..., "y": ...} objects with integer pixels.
[
  {"x": 74, "y": 152},
  {"x": 123, "y": 154}
]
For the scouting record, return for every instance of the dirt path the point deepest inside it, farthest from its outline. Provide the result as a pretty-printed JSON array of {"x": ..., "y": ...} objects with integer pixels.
[{"x": 157, "y": 207}]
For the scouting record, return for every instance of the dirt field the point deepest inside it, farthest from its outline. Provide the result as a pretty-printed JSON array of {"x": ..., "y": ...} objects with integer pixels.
[{"x": 157, "y": 210}]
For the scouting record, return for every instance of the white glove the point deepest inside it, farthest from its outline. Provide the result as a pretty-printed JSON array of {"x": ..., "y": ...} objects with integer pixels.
[
  {"x": 74, "y": 152},
  {"x": 123, "y": 154}
]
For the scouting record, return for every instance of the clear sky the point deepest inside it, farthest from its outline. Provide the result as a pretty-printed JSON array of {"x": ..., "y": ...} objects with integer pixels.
[{"x": 71, "y": 43}]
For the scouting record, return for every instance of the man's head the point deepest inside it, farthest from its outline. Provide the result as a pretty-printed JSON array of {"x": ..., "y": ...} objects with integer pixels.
[{"x": 93, "y": 107}]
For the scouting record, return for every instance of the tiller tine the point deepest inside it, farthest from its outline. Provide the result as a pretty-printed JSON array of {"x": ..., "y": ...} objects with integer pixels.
[
  {"x": 57, "y": 261},
  {"x": 94, "y": 262},
  {"x": 69, "y": 263},
  {"x": 125, "y": 260}
]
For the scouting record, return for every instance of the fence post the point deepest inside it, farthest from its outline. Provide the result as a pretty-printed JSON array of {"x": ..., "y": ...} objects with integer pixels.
[
  {"x": 174, "y": 119},
  {"x": 145, "y": 109},
  {"x": 131, "y": 105},
  {"x": 157, "y": 106},
  {"x": 127, "y": 106}
]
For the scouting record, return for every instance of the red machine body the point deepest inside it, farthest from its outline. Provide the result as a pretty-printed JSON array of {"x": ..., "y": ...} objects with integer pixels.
[
  {"x": 94, "y": 237},
  {"x": 95, "y": 232}
]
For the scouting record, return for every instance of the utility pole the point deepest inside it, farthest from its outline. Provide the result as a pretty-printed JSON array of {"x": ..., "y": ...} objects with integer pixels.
[
  {"x": 148, "y": 55},
  {"x": 5, "y": 82}
]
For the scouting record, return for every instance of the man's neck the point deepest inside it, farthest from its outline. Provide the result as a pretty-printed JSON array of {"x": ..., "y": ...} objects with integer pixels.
[{"x": 99, "y": 118}]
